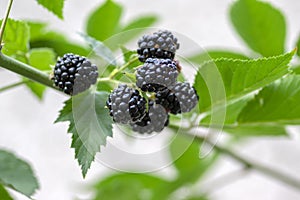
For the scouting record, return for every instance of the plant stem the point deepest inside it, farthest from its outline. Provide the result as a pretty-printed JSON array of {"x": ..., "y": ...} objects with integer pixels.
[
  {"x": 5, "y": 88},
  {"x": 275, "y": 174},
  {"x": 25, "y": 70},
  {"x": 116, "y": 71},
  {"x": 5, "y": 21}
]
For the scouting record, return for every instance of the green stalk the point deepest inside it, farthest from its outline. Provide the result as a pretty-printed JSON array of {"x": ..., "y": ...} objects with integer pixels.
[
  {"x": 5, "y": 88},
  {"x": 25, "y": 70},
  {"x": 265, "y": 170},
  {"x": 2, "y": 29}
]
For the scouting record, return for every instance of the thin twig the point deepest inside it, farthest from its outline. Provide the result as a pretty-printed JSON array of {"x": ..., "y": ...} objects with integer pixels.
[
  {"x": 270, "y": 172},
  {"x": 3, "y": 25},
  {"x": 5, "y": 88}
]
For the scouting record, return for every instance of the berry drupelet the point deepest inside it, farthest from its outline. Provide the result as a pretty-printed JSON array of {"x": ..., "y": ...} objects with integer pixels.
[
  {"x": 161, "y": 44},
  {"x": 154, "y": 121},
  {"x": 156, "y": 74},
  {"x": 74, "y": 74},
  {"x": 126, "y": 105},
  {"x": 179, "y": 98}
]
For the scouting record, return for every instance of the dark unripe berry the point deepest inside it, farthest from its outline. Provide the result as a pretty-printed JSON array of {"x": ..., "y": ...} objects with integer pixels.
[
  {"x": 74, "y": 74},
  {"x": 126, "y": 105},
  {"x": 156, "y": 74}
]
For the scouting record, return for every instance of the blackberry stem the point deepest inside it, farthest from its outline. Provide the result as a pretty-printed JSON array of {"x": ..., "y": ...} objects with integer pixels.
[
  {"x": 25, "y": 70},
  {"x": 3, "y": 25},
  {"x": 118, "y": 70},
  {"x": 5, "y": 88}
]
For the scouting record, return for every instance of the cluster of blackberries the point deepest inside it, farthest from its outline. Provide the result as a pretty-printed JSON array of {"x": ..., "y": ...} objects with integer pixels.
[
  {"x": 74, "y": 74},
  {"x": 158, "y": 76}
]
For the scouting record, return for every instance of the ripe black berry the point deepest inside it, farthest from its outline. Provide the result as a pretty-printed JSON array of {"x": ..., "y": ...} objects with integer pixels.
[
  {"x": 161, "y": 44},
  {"x": 74, "y": 74},
  {"x": 156, "y": 74},
  {"x": 154, "y": 121},
  {"x": 180, "y": 98},
  {"x": 126, "y": 105}
]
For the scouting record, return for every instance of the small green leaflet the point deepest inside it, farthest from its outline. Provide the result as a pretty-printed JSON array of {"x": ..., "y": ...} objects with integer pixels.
[
  {"x": 17, "y": 174},
  {"x": 238, "y": 78},
  {"x": 260, "y": 25},
  {"x": 4, "y": 194},
  {"x": 54, "y": 6},
  {"x": 104, "y": 22},
  {"x": 41, "y": 36},
  {"x": 131, "y": 186},
  {"x": 214, "y": 54},
  {"x": 16, "y": 37},
  {"x": 40, "y": 58},
  {"x": 276, "y": 104},
  {"x": 90, "y": 124}
]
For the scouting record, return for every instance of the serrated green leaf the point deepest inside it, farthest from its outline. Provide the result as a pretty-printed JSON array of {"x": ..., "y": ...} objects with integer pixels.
[
  {"x": 41, "y": 59},
  {"x": 239, "y": 77},
  {"x": 17, "y": 174},
  {"x": 41, "y": 37},
  {"x": 131, "y": 186},
  {"x": 232, "y": 112},
  {"x": 214, "y": 54},
  {"x": 100, "y": 49},
  {"x": 16, "y": 37},
  {"x": 104, "y": 21},
  {"x": 185, "y": 153},
  {"x": 54, "y": 6},
  {"x": 276, "y": 104},
  {"x": 4, "y": 194},
  {"x": 90, "y": 124},
  {"x": 260, "y": 25}
]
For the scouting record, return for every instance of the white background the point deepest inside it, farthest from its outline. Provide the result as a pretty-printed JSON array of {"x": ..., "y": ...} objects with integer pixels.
[{"x": 27, "y": 124}]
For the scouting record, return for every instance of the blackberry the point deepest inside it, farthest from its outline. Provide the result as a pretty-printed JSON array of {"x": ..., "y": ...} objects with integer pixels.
[
  {"x": 154, "y": 121},
  {"x": 178, "y": 99},
  {"x": 156, "y": 74},
  {"x": 126, "y": 105},
  {"x": 161, "y": 44},
  {"x": 74, "y": 74}
]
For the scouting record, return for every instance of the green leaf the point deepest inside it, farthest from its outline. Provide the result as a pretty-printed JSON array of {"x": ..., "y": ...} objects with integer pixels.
[
  {"x": 17, "y": 174},
  {"x": 4, "y": 194},
  {"x": 41, "y": 59},
  {"x": 100, "y": 49},
  {"x": 54, "y": 6},
  {"x": 239, "y": 77},
  {"x": 104, "y": 22},
  {"x": 141, "y": 22},
  {"x": 276, "y": 104},
  {"x": 189, "y": 165},
  {"x": 16, "y": 37},
  {"x": 197, "y": 198},
  {"x": 232, "y": 112},
  {"x": 41, "y": 37},
  {"x": 214, "y": 54},
  {"x": 90, "y": 124},
  {"x": 260, "y": 25},
  {"x": 298, "y": 47},
  {"x": 130, "y": 186},
  {"x": 137, "y": 26}
]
